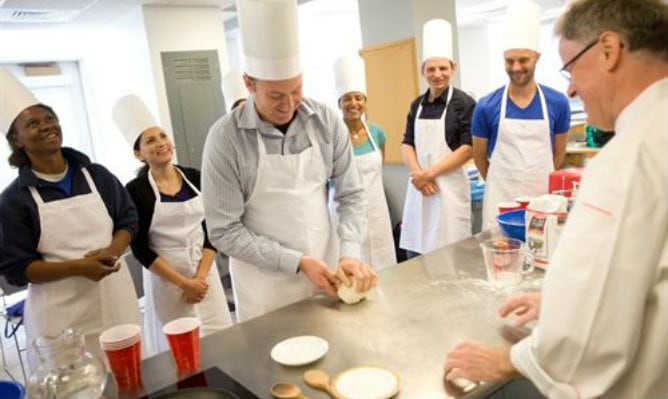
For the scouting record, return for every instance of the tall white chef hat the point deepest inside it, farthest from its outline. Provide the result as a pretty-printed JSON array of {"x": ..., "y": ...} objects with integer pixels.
[
  {"x": 234, "y": 88},
  {"x": 270, "y": 38},
  {"x": 436, "y": 39},
  {"x": 522, "y": 30},
  {"x": 14, "y": 98},
  {"x": 132, "y": 117},
  {"x": 349, "y": 74}
]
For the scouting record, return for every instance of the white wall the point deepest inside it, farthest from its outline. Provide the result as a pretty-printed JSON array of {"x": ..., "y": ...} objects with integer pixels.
[
  {"x": 112, "y": 61},
  {"x": 481, "y": 58},
  {"x": 121, "y": 57},
  {"x": 181, "y": 29}
]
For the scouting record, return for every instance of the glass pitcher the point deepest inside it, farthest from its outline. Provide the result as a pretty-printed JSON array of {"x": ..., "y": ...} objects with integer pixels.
[{"x": 66, "y": 370}]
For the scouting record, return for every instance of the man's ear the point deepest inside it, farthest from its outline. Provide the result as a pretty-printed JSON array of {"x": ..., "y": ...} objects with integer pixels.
[
  {"x": 248, "y": 81},
  {"x": 612, "y": 48}
]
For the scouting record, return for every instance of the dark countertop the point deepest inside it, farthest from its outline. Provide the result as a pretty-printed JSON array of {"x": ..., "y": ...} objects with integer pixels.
[{"x": 421, "y": 309}]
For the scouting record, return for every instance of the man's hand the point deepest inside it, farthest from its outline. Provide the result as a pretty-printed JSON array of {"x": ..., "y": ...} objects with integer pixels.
[
  {"x": 354, "y": 271},
  {"x": 429, "y": 189},
  {"x": 526, "y": 307},
  {"x": 419, "y": 178},
  {"x": 479, "y": 362},
  {"x": 318, "y": 273}
]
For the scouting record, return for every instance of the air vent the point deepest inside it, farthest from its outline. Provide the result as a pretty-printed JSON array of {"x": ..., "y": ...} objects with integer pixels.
[
  {"x": 37, "y": 16},
  {"x": 192, "y": 69}
]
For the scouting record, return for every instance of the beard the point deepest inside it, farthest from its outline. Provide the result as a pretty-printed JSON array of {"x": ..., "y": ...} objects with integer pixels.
[{"x": 521, "y": 79}]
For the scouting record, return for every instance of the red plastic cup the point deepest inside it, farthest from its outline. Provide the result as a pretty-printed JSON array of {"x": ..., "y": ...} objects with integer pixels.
[
  {"x": 523, "y": 201},
  {"x": 122, "y": 346},
  {"x": 183, "y": 337},
  {"x": 508, "y": 206},
  {"x": 125, "y": 365}
]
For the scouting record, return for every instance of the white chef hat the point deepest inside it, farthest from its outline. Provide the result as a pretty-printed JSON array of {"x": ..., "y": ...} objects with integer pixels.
[
  {"x": 132, "y": 117},
  {"x": 522, "y": 30},
  {"x": 349, "y": 74},
  {"x": 14, "y": 98},
  {"x": 436, "y": 39},
  {"x": 270, "y": 38},
  {"x": 234, "y": 88}
]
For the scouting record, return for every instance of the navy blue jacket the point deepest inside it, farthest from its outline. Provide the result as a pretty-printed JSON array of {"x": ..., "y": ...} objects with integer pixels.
[{"x": 20, "y": 219}]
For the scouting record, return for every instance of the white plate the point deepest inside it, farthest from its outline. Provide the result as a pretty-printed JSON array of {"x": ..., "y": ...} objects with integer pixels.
[
  {"x": 298, "y": 351},
  {"x": 366, "y": 382}
]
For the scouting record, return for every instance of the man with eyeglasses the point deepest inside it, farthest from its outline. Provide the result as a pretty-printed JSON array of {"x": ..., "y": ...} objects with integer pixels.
[
  {"x": 603, "y": 313},
  {"x": 519, "y": 130}
]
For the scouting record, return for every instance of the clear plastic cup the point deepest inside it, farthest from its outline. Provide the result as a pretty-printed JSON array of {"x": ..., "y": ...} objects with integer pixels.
[{"x": 506, "y": 261}]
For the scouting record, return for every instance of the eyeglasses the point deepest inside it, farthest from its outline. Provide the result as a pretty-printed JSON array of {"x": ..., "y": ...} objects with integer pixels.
[{"x": 564, "y": 69}]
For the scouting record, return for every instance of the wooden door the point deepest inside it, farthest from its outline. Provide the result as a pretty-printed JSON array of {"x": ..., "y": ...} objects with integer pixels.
[{"x": 392, "y": 83}]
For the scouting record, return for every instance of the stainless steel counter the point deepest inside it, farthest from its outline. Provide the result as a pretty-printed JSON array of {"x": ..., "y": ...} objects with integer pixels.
[{"x": 421, "y": 309}]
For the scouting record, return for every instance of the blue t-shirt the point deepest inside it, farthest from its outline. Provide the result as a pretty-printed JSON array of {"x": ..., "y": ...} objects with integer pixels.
[
  {"x": 379, "y": 138},
  {"x": 486, "y": 115}
]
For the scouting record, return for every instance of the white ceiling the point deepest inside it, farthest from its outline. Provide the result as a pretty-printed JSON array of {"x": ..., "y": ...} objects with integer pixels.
[{"x": 22, "y": 12}]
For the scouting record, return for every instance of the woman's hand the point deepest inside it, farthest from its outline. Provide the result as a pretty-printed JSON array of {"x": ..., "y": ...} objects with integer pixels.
[
  {"x": 97, "y": 267},
  {"x": 194, "y": 289},
  {"x": 105, "y": 255}
]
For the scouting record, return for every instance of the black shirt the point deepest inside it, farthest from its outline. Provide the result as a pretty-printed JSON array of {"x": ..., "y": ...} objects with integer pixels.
[
  {"x": 144, "y": 198},
  {"x": 457, "y": 120}
]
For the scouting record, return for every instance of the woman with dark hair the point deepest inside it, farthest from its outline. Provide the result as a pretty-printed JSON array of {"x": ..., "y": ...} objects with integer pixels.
[
  {"x": 368, "y": 142},
  {"x": 180, "y": 276},
  {"x": 70, "y": 221}
]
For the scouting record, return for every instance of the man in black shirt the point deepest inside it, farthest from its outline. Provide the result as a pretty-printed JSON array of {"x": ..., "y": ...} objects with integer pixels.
[{"x": 437, "y": 143}]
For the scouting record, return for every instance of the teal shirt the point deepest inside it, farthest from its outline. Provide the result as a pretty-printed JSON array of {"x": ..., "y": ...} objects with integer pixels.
[{"x": 379, "y": 138}]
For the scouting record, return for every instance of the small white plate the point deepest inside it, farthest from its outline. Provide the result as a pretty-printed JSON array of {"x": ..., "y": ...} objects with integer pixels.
[
  {"x": 366, "y": 382},
  {"x": 298, "y": 351}
]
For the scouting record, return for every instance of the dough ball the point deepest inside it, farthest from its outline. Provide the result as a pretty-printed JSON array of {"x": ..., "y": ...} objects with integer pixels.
[{"x": 349, "y": 295}]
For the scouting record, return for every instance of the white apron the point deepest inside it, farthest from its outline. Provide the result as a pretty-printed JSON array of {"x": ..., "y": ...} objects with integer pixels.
[
  {"x": 176, "y": 235},
  {"x": 521, "y": 161},
  {"x": 288, "y": 205},
  {"x": 432, "y": 222},
  {"x": 70, "y": 228},
  {"x": 378, "y": 245}
]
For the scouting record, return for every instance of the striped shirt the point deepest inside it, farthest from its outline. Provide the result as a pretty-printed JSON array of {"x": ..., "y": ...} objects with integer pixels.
[{"x": 229, "y": 171}]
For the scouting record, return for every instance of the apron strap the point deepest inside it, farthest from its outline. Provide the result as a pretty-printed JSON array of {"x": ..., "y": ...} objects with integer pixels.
[
  {"x": 451, "y": 90},
  {"x": 91, "y": 184},
  {"x": 504, "y": 103},
  {"x": 262, "y": 149},
  {"x": 370, "y": 136},
  {"x": 154, "y": 185}
]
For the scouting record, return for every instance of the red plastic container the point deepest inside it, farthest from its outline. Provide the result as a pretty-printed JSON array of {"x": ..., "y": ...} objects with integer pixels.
[{"x": 562, "y": 180}]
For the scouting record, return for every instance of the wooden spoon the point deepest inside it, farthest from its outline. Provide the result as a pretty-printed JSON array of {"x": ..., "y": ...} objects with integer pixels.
[
  {"x": 320, "y": 380},
  {"x": 286, "y": 390}
]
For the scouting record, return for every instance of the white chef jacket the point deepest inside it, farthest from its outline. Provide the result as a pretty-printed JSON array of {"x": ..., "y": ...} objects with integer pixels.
[{"x": 603, "y": 327}]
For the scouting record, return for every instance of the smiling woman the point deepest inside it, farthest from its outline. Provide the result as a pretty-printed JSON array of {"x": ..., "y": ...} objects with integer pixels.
[{"x": 70, "y": 220}]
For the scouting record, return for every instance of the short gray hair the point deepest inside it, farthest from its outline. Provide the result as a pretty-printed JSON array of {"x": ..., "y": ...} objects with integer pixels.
[{"x": 643, "y": 24}]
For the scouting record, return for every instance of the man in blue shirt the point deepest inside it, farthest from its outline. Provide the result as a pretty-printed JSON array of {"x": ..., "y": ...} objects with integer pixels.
[{"x": 519, "y": 130}]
